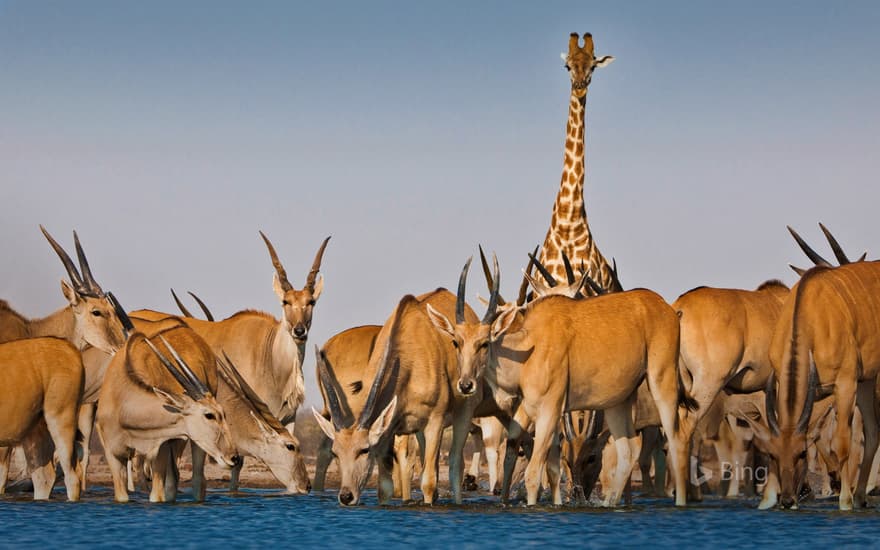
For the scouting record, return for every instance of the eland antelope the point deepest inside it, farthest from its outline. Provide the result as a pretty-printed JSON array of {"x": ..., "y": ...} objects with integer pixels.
[
  {"x": 256, "y": 432},
  {"x": 413, "y": 372},
  {"x": 344, "y": 357},
  {"x": 267, "y": 352},
  {"x": 826, "y": 341},
  {"x": 41, "y": 390},
  {"x": 92, "y": 317},
  {"x": 562, "y": 354},
  {"x": 146, "y": 401}
]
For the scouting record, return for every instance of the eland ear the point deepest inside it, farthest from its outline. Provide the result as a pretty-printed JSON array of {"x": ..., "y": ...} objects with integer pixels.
[
  {"x": 173, "y": 404},
  {"x": 383, "y": 422},
  {"x": 276, "y": 285},
  {"x": 325, "y": 425},
  {"x": 267, "y": 433},
  {"x": 604, "y": 61},
  {"x": 763, "y": 436},
  {"x": 538, "y": 285},
  {"x": 440, "y": 321},
  {"x": 69, "y": 293},
  {"x": 502, "y": 323},
  {"x": 319, "y": 287}
]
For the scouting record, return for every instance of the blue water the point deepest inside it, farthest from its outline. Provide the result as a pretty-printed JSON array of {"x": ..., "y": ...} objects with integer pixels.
[{"x": 264, "y": 518}]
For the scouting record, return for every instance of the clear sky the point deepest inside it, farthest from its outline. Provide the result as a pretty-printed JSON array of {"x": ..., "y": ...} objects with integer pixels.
[{"x": 168, "y": 133}]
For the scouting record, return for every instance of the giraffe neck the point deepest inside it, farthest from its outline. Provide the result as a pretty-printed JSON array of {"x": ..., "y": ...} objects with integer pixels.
[{"x": 569, "y": 230}]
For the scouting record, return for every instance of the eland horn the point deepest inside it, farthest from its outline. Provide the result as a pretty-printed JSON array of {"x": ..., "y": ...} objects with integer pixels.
[
  {"x": 202, "y": 305},
  {"x": 196, "y": 382},
  {"x": 551, "y": 282},
  {"x": 812, "y": 387},
  {"x": 180, "y": 305},
  {"x": 72, "y": 271},
  {"x": 835, "y": 246},
  {"x": 316, "y": 266},
  {"x": 811, "y": 254},
  {"x": 770, "y": 404},
  {"x": 524, "y": 285},
  {"x": 279, "y": 269},
  {"x": 459, "y": 297},
  {"x": 332, "y": 397},
  {"x": 492, "y": 308},
  {"x": 487, "y": 273},
  {"x": 569, "y": 272},
  {"x": 88, "y": 279}
]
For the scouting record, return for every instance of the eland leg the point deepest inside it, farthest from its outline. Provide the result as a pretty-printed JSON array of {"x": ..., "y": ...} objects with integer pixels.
[
  {"x": 433, "y": 436},
  {"x": 324, "y": 458},
  {"x": 62, "y": 428},
  {"x": 516, "y": 433},
  {"x": 620, "y": 425},
  {"x": 842, "y": 439},
  {"x": 199, "y": 483},
  {"x": 865, "y": 401},
  {"x": 86, "y": 423}
]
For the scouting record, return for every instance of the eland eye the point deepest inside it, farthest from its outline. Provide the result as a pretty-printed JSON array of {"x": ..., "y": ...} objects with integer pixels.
[
  {"x": 484, "y": 345},
  {"x": 363, "y": 451},
  {"x": 310, "y": 303},
  {"x": 455, "y": 344},
  {"x": 285, "y": 302},
  {"x": 96, "y": 313},
  {"x": 290, "y": 447},
  {"x": 210, "y": 416},
  {"x": 567, "y": 68}
]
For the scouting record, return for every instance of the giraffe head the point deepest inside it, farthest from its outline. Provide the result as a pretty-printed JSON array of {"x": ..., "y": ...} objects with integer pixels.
[{"x": 580, "y": 63}]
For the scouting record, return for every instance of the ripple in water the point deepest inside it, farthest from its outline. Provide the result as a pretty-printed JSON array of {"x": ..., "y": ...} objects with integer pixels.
[{"x": 261, "y": 517}]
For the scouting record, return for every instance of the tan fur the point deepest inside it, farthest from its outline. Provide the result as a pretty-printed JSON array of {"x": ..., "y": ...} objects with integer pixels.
[
  {"x": 132, "y": 417},
  {"x": 266, "y": 351},
  {"x": 346, "y": 356},
  {"x": 85, "y": 321},
  {"x": 262, "y": 350},
  {"x": 568, "y": 354},
  {"x": 832, "y": 316},
  {"x": 422, "y": 369},
  {"x": 43, "y": 380},
  {"x": 725, "y": 343}
]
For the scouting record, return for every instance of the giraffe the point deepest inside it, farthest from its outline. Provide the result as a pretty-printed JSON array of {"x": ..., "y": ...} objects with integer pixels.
[{"x": 569, "y": 231}]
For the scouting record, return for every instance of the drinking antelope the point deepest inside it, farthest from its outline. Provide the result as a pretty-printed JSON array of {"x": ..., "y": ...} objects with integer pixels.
[
  {"x": 267, "y": 352},
  {"x": 412, "y": 370},
  {"x": 146, "y": 401},
  {"x": 345, "y": 357},
  {"x": 826, "y": 340},
  {"x": 256, "y": 432}
]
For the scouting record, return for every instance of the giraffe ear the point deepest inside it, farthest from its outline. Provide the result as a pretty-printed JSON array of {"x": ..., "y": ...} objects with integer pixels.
[{"x": 604, "y": 61}]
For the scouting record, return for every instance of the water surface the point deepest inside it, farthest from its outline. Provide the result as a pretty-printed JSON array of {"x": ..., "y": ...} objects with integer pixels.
[{"x": 255, "y": 518}]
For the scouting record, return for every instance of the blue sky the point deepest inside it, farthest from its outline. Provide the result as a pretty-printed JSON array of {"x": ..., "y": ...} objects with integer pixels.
[{"x": 169, "y": 133}]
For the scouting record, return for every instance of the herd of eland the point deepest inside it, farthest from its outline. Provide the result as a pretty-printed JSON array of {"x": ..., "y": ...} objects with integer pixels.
[
  {"x": 556, "y": 370},
  {"x": 568, "y": 386}
]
